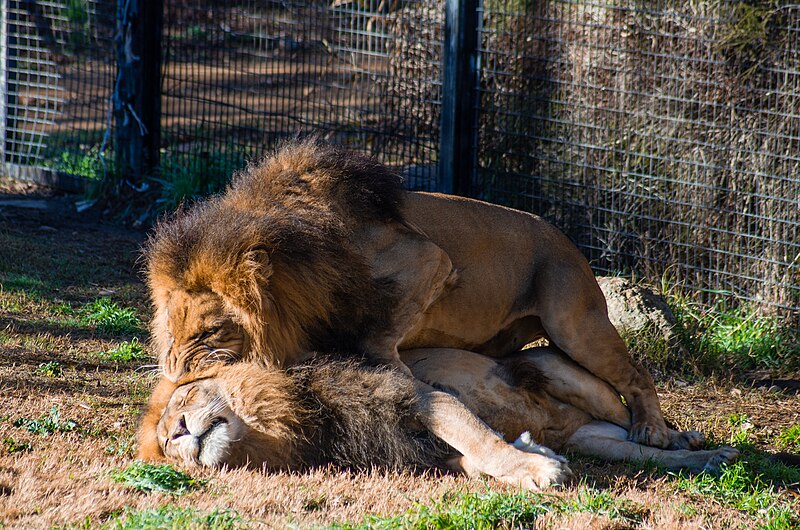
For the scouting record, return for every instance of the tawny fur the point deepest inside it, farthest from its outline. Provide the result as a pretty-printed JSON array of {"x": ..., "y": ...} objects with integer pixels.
[
  {"x": 317, "y": 249},
  {"x": 335, "y": 412},
  {"x": 277, "y": 248},
  {"x": 361, "y": 417}
]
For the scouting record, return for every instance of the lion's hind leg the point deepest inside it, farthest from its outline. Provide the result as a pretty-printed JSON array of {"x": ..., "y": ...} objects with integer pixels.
[{"x": 610, "y": 442}]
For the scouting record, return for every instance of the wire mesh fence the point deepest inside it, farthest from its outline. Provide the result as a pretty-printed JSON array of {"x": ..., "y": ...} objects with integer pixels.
[
  {"x": 237, "y": 76},
  {"x": 58, "y": 75},
  {"x": 661, "y": 136}
]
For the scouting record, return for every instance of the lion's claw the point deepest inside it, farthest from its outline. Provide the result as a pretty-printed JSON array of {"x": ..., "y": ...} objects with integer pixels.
[{"x": 724, "y": 455}]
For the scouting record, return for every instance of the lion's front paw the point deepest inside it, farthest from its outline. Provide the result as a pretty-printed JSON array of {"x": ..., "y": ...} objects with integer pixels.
[
  {"x": 722, "y": 455},
  {"x": 691, "y": 440},
  {"x": 534, "y": 472},
  {"x": 649, "y": 434},
  {"x": 525, "y": 443}
]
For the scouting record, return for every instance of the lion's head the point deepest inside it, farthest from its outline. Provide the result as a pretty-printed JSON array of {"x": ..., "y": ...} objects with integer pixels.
[
  {"x": 199, "y": 427},
  {"x": 271, "y": 265},
  {"x": 242, "y": 415}
]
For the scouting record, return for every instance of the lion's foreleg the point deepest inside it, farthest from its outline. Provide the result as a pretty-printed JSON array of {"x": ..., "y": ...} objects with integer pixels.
[
  {"x": 483, "y": 450},
  {"x": 610, "y": 442},
  {"x": 419, "y": 271}
]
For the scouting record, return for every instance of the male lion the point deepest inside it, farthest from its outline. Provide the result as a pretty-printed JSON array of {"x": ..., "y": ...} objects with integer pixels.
[
  {"x": 317, "y": 249},
  {"x": 353, "y": 416}
]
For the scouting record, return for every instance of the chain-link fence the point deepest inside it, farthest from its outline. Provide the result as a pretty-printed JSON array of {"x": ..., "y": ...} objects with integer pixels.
[{"x": 662, "y": 136}]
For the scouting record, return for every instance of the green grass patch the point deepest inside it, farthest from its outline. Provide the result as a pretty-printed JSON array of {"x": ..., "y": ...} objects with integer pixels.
[
  {"x": 150, "y": 477},
  {"x": 740, "y": 337},
  {"x": 166, "y": 518},
  {"x": 790, "y": 438},
  {"x": 89, "y": 164},
  {"x": 120, "y": 445},
  {"x": 108, "y": 317},
  {"x": 741, "y": 428},
  {"x": 47, "y": 424},
  {"x": 500, "y": 510},
  {"x": 131, "y": 350},
  {"x": 590, "y": 500},
  {"x": 15, "y": 446},
  {"x": 22, "y": 282},
  {"x": 478, "y": 511},
  {"x": 744, "y": 487},
  {"x": 752, "y": 485},
  {"x": 188, "y": 178},
  {"x": 50, "y": 369}
]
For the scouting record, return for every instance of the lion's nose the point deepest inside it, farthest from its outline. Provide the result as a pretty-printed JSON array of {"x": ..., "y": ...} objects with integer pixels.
[{"x": 180, "y": 429}]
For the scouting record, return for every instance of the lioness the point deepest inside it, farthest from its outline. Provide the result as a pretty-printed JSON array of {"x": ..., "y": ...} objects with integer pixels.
[
  {"x": 354, "y": 416},
  {"x": 317, "y": 249}
]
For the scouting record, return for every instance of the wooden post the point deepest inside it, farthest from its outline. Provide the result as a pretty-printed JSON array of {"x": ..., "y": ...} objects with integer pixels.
[
  {"x": 459, "y": 97},
  {"x": 137, "y": 96}
]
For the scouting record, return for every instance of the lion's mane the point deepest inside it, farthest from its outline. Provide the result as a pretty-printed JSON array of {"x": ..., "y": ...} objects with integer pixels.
[
  {"x": 321, "y": 412},
  {"x": 277, "y": 246}
]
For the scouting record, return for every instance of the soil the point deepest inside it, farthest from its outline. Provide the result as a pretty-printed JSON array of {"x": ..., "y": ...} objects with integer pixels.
[{"x": 54, "y": 260}]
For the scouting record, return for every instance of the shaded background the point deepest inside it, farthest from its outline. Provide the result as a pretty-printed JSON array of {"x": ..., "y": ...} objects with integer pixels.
[{"x": 661, "y": 136}]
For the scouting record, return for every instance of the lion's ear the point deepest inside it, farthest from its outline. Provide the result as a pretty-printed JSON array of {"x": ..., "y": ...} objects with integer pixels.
[{"x": 245, "y": 288}]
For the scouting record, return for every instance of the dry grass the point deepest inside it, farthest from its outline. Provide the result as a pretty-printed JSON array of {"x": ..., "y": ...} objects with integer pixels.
[{"x": 63, "y": 478}]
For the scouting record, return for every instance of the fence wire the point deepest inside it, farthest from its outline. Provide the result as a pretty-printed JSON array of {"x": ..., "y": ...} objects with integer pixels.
[
  {"x": 240, "y": 75},
  {"x": 59, "y": 75},
  {"x": 662, "y": 136}
]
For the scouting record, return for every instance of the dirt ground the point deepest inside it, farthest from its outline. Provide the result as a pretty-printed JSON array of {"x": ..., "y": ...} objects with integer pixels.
[{"x": 53, "y": 261}]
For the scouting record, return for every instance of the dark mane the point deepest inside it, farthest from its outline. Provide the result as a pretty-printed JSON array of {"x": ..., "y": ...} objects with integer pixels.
[
  {"x": 311, "y": 173},
  {"x": 520, "y": 372},
  {"x": 278, "y": 243},
  {"x": 364, "y": 417}
]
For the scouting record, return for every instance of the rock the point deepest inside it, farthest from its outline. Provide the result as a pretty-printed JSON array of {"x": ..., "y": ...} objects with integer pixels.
[{"x": 638, "y": 312}]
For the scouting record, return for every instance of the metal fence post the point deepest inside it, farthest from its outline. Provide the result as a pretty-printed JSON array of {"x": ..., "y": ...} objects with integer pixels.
[
  {"x": 137, "y": 95},
  {"x": 459, "y": 96}
]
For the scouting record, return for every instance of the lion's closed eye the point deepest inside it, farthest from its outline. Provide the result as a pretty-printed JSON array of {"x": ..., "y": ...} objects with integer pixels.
[{"x": 189, "y": 396}]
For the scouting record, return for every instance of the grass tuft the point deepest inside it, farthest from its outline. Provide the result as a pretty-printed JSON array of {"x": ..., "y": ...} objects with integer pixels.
[
  {"x": 108, "y": 317},
  {"x": 598, "y": 502},
  {"x": 50, "y": 369},
  {"x": 464, "y": 510},
  {"x": 741, "y": 486},
  {"x": 188, "y": 179},
  {"x": 47, "y": 424},
  {"x": 15, "y": 446},
  {"x": 501, "y": 510},
  {"x": 150, "y": 477},
  {"x": 790, "y": 438},
  {"x": 751, "y": 485},
  {"x": 127, "y": 351},
  {"x": 739, "y": 338},
  {"x": 167, "y": 518},
  {"x": 21, "y": 282}
]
